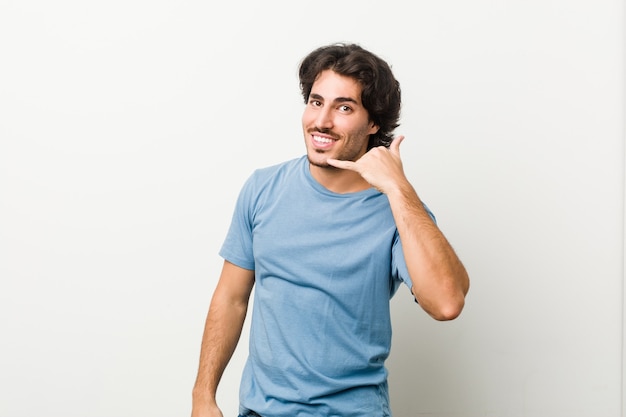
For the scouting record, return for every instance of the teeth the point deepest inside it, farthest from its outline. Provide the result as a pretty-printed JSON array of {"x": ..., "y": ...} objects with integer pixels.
[{"x": 321, "y": 139}]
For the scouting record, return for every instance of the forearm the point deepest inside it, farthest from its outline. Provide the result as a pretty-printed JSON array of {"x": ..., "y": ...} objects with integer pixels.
[
  {"x": 440, "y": 281},
  {"x": 221, "y": 333}
]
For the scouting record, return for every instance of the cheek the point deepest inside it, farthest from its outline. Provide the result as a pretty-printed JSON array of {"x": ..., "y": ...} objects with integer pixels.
[
  {"x": 306, "y": 118},
  {"x": 364, "y": 131}
]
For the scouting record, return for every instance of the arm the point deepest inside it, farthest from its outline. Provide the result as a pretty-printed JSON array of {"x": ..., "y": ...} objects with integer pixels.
[
  {"x": 440, "y": 281},
  {"x": 224, "y": 322}
]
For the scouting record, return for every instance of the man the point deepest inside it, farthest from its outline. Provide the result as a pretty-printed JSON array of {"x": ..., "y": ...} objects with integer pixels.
[{"x": 327, "y": 238}]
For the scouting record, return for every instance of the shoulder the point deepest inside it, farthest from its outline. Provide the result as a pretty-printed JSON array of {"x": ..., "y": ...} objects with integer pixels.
[
  {"x": 276, "y": 173},
  {"x": 266, "y": 181},
  {"x": 282, "y": 167}
]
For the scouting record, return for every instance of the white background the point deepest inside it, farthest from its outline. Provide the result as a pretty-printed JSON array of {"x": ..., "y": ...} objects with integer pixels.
[{"x": 128, "y": 127}]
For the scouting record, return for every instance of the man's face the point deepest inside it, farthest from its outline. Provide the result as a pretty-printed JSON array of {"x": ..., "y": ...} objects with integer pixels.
[{"x": 335, "y": 123}]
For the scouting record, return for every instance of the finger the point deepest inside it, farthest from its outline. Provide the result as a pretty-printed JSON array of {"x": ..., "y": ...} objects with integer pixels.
[
  {"x": 395, "y": 144},
  {"x": 341, "y": 164}
]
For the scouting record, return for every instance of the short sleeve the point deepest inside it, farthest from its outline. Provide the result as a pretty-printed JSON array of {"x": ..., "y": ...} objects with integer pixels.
[{"x": 237, "y": 246}]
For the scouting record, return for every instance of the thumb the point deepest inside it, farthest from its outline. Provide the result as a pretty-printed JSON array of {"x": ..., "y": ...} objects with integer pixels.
[{"x": 395, "y": 144}]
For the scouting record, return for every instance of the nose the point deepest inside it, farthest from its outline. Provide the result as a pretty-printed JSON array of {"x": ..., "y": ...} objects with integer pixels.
[{"x": 324, "y": 120}]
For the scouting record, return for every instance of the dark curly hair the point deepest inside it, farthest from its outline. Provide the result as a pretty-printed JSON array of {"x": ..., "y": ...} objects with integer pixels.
[{"x": 380, "y": 90}]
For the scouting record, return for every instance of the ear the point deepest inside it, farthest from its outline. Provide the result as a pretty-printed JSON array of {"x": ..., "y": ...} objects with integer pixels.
[{"x": 373, "y": 128}]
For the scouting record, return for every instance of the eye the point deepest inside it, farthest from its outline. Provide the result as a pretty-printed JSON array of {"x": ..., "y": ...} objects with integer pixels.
[
  {"x": 315, "y": 103},
  {"x": 345, "y": 108}
]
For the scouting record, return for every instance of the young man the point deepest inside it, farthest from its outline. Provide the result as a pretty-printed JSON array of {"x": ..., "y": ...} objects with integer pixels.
[{"x": 327, "y": 238}]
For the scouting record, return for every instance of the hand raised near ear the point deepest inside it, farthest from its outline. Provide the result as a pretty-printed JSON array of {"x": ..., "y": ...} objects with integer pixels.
[{"x": 380, "y": 166}]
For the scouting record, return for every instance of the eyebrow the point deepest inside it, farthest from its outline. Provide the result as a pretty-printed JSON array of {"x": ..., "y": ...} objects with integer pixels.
[{"x": 336, "y": 100}]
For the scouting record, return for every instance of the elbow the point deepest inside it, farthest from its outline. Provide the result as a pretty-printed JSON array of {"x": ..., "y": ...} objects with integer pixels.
[
  {"x": 451, "y": 307},
  {"x": 443, "y": 304},
  {"x": 445, "y": 309},
  {"x": 448, "y": 311}
]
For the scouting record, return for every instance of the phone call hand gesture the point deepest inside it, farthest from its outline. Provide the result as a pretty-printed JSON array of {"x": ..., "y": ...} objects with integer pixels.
[{"x": 380, "y": 166}]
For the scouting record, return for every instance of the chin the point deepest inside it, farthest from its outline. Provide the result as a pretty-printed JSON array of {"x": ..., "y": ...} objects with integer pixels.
[{"x": 318, "y": 162}]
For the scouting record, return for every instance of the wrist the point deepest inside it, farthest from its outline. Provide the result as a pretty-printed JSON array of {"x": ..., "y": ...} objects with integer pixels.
[{"x": 203, "y": 397}]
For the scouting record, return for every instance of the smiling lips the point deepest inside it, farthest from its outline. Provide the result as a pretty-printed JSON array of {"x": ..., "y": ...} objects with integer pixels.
[{"x": 322, "y": 142}]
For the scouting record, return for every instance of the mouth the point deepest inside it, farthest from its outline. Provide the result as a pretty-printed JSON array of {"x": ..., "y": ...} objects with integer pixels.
[{"x": 322, "y": 142}]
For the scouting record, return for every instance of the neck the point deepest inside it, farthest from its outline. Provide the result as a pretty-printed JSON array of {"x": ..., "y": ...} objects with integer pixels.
[{"x": 338, "y": 180}]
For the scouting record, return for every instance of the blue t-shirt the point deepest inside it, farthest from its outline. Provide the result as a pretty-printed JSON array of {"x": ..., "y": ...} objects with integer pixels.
[{"x": 326, "y": 265}]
